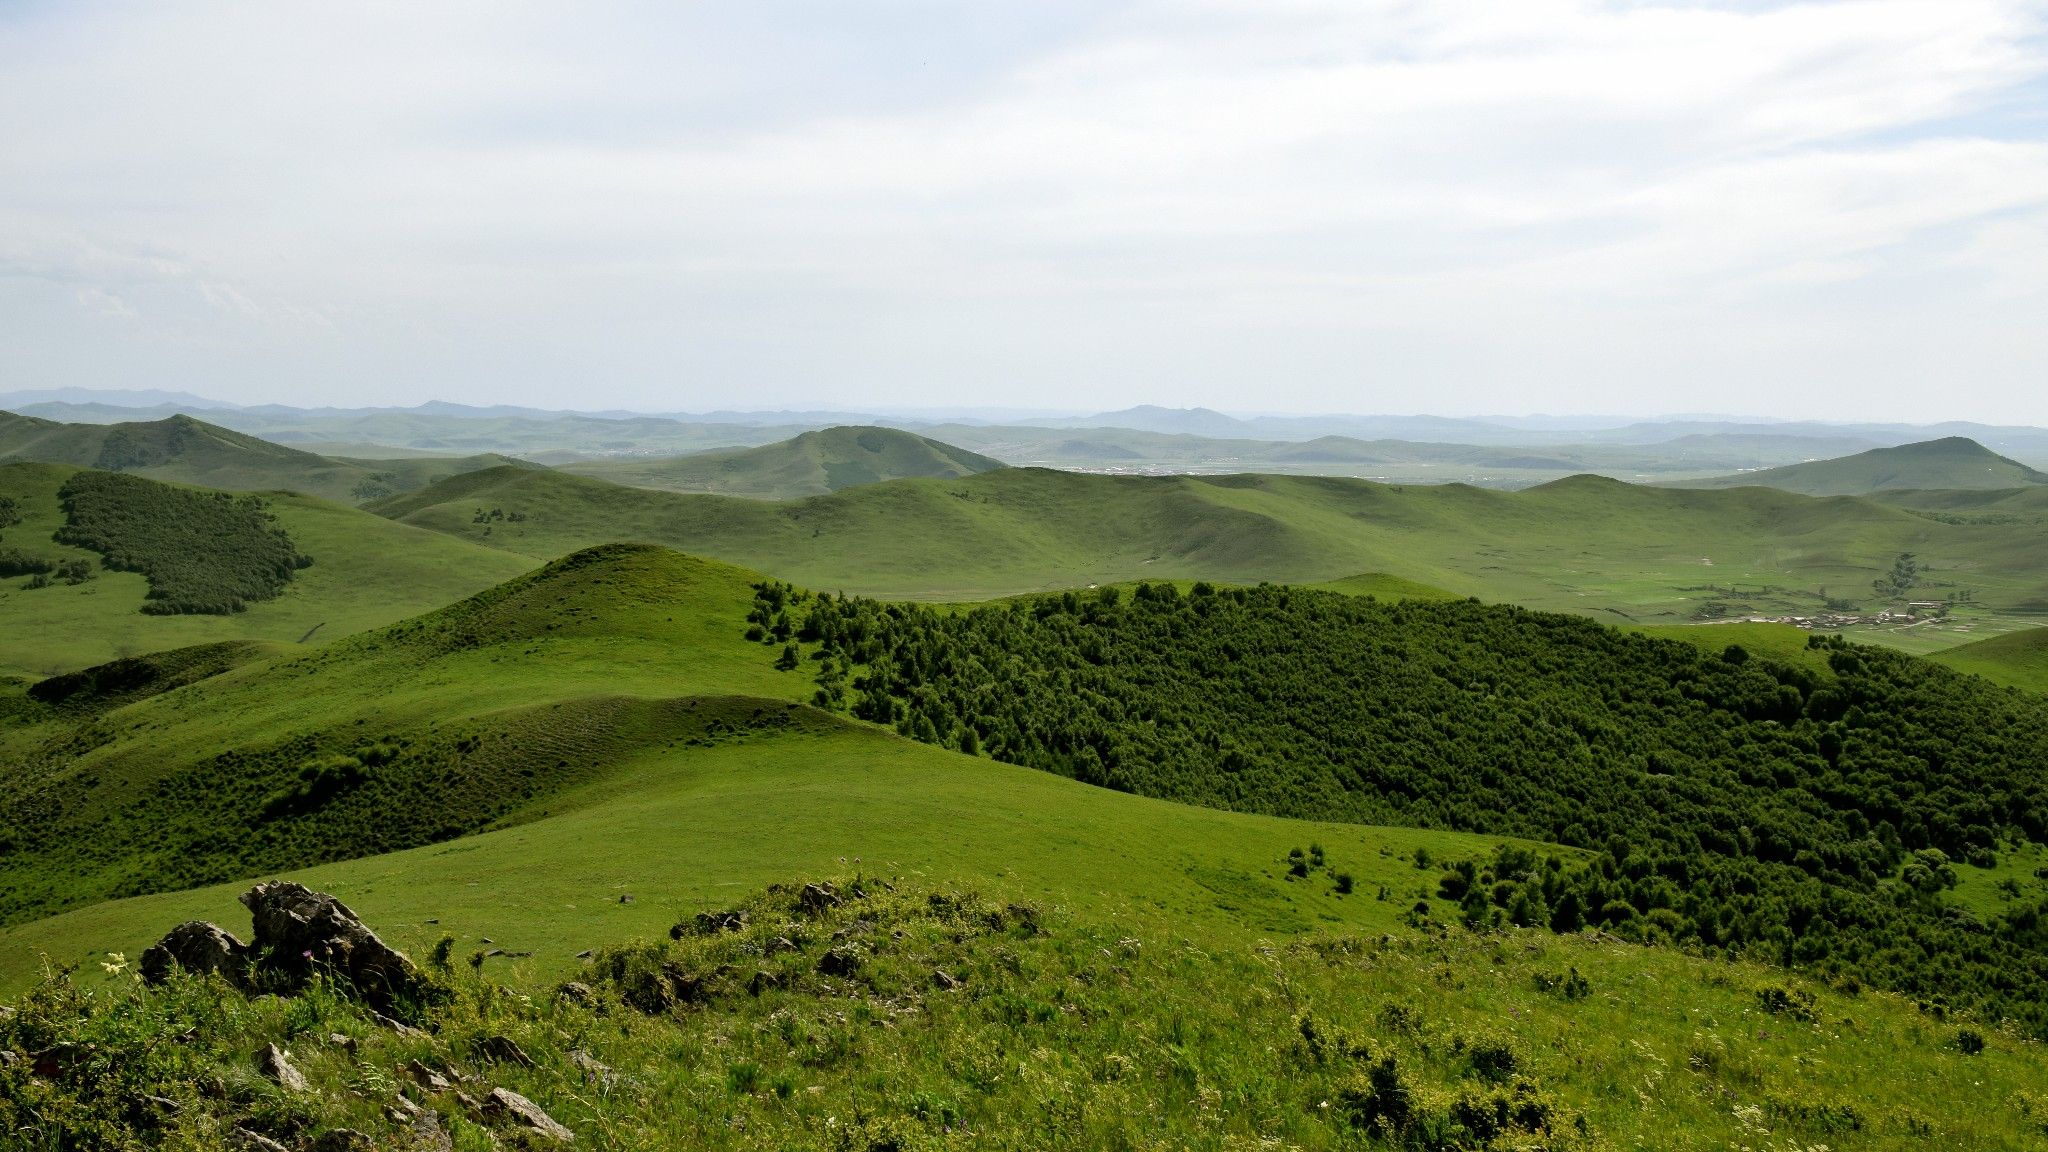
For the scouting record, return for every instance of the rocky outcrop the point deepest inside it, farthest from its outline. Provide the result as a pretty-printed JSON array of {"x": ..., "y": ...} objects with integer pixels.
[
  {"x": 199, "y": 948},
  {"x": 297, "y": 933},
  {"x": 300, "y": 932},
  {"x": 508, "y": 1107}
]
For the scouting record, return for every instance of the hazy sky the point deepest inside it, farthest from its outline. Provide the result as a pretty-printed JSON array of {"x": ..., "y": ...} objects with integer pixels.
[{"x": 1796, "y": 209}]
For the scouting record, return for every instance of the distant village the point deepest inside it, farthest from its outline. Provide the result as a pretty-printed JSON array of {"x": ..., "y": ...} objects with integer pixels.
[{"x": 1916, "y": 612}]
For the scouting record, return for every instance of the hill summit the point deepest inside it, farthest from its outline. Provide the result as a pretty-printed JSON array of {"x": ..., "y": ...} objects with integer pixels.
[
  {"x": 811, "y": 464},
  {"x": 1951, "y": 462}
]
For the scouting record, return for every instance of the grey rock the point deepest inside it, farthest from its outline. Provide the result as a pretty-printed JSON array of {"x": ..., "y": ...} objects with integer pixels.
[
  {"x": 272, "y": 1062},
  {"x": 249, "y": 1141},
  {"x": 841, "y": 961},
  {"x": 503, "y": 1050},
  {"x": 509, "y": 1107},
  {"x": 427, "y": 1078},
  {"x": 303, "y": 932},
  {"x": 199, "y": 948}
]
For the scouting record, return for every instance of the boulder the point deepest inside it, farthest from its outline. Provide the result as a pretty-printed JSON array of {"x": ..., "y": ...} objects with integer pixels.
[
  {"x": 273, "y": 1063},
  {"x": 199, "y": 948},
  {"x": 509, "y": 1107},
  {"x": 300, "y": 932}
]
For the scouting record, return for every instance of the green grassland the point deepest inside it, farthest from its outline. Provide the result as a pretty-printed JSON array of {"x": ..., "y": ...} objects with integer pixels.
[
  {"x": 2016, "y": 658},
  {"x": 367, "y": 571},
  {"x": 1179, "y": 984},
  {"x": 182, "y": 450},
  {"x": 1623, "y": 553},
  {"x": 811, "y": 464},
  {"x": 1955, "y": 463},
  {"x": 1066, "y": 1025}
]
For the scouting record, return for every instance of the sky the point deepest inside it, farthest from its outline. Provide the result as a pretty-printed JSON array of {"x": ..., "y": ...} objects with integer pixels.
[{"x": 1834, "y": 210}]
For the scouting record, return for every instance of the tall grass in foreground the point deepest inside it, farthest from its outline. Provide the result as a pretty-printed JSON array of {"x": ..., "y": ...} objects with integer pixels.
[{"x": 868, "y": 1016}]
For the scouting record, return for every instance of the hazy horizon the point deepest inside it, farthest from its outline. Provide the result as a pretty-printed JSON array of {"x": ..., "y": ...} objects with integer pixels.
[{"x": 1819, "y": 211}]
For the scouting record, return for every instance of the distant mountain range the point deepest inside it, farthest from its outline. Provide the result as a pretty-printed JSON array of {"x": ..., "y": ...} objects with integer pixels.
[{"x": 1504, "y": 452}]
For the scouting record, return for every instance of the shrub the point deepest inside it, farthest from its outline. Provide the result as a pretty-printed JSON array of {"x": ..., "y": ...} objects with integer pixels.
[{"x": 15, "y": 562}]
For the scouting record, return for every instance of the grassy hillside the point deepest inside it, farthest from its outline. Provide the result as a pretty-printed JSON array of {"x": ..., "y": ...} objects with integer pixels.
[
  {"x": 811, "y": 464},
  {"x": 1625, "y": 553},
  {"x": 596, "y": 675},
  {"x": 182, "y": 450},
  {"x": 1175, "y": 975},
  {"x": 1952, "y": 463},
  {"x": 2016, "y": 658},
  {"x": 368, "y": 571},
  {"x": 917, "y": 1014}
]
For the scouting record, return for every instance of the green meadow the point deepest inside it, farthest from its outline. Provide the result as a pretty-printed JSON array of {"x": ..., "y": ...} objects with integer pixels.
[{"x": 366, "y": 571}]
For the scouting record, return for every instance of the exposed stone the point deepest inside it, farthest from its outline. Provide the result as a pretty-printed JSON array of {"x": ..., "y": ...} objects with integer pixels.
[
  {"x": 594, "y": 1071},
  {"x": 341, "y": 1140},
  {"x": 343, "y": 1041},
  {"x": 817, "y": 899},
  {"x": 503, "y": 1050},
  {"x": 712, "y": 923},
  {"x": 425, "y": 1134},
  {"x": 507, "y": 1106},
  {"x": 52, "y": 1062},
  {"x": 199, "y": 948},
  {"x": 945, "y": 979},
  {"x": 576, "y": 992},
  {"x": 843, "y": 961},
  {"x": 761, "y": 981},
  {"x": 272, "y": 1062},
  {"x": 398, "y": 1026},
  {"x": 427, "y": 1078},
  {"x": 301, "y": 931},
  {"x": 247, "y": 1141}
]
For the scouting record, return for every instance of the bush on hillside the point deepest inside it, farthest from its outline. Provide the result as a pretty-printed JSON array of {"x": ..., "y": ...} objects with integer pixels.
[
  {"x": 15, "y": 562},
  {"x": 206, "y": 553},
  {"x": 1742, "y": 806}
]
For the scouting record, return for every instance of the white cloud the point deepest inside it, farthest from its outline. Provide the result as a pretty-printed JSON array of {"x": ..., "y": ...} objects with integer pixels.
[{"x": 1549, "y": 204}]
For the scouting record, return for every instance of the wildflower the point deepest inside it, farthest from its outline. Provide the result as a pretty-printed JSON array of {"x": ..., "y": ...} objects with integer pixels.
[{"x": 115, "y": 964}]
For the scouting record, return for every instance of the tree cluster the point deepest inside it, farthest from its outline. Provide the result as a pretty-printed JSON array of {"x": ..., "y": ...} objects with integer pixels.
[
  {"x": 205, "y": 553},
  {"x": 1730, "y": 803}
]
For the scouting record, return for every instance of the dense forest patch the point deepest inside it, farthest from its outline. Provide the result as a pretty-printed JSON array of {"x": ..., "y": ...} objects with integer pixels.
[
  {"x": 207, "y": 553},
  {"x": 1737, "y": 804}
]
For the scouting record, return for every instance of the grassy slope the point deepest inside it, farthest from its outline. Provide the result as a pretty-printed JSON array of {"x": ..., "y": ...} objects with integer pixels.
[
  {"x": 366, "y": 571},
  {"x": 2016, "y": 658},
  {"x": 1622, "y": 552},
  {"x": 1665, "y": 1051},
  {"x": 811, "y": 464},
  {"x": 681, "y": 822},
  {"x": 182, "y": 450},
  {"x": 1952, "y": 463}
]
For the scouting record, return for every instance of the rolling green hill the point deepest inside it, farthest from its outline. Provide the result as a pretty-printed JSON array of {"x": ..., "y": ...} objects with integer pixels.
[
  {"x": 2016, "y": 658},
  {"x": 182, "y": 450},
  {"x": 1951, "y": 463},
  {"x": 367, "y": 571},
  {"x": 1623, "y": 552},
  {"x": 636, "y": 760},
  {"x": 811, "y": 464}
]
